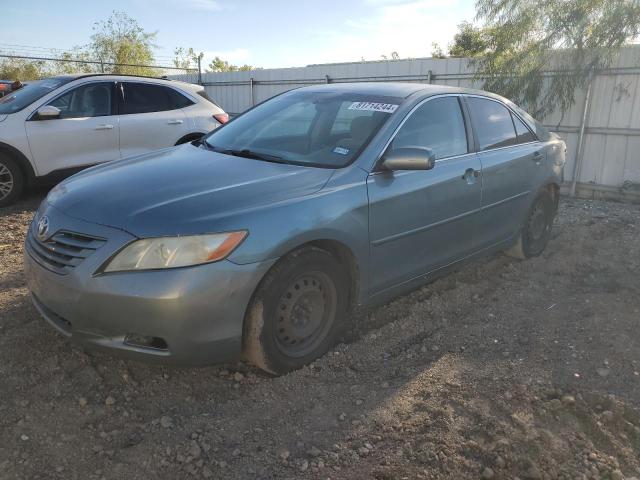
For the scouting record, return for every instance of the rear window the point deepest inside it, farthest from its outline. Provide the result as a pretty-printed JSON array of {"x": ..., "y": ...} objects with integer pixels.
[
  {"x": 147, "y": 98},
  {"x": 203, "y": 94}
]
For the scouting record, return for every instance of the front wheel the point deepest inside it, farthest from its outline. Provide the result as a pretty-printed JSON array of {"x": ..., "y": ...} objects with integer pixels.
[
  {"x": 295, "y": 314},
  {"x": 536, "y": 231},
  {"x": 11, "y": 181}
]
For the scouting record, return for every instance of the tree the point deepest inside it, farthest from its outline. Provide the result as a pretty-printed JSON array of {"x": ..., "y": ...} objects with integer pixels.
[
  {"x": 120, "y": 39},
  {"x": 469, "y": 41},
  {"x": 436, "y": 51},
  {"x": 574, "y": 38},
  {"x": 219, "y": 65},
  {"x": 186, "y": 59},
  {"x": 20, "y": 69}
]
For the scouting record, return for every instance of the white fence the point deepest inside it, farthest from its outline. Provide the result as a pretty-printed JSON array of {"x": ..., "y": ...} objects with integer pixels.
[{"x": 610, "y": 164}]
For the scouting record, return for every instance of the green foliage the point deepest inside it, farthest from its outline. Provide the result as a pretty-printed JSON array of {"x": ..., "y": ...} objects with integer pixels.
[
  {"x": 219, "y": 65},
  {"x": 469, "y": 41},
  {"x": 120, "y": 39},
  {"x": 436, "y": 51},
  {"x": 19, "y": 69},
  {"x": 186, "y": 58},
  {"x": 573, "y": 38}
]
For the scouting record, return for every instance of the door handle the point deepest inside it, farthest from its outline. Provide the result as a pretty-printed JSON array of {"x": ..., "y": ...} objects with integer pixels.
[
  {"x": 174, "y": 122},
  {"x": 537, "y": 156},
  {"x": 104, "y": 126},
  {"x": 470, "y": 175}
]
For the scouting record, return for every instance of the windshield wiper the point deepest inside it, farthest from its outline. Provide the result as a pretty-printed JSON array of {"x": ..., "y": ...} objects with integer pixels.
[{"x": 246, "y": 153}]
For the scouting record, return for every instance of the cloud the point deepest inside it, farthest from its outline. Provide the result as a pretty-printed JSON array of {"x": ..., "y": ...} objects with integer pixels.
[
  {"x": 204, "y": 5},
  {"x": 404, "y": 26}
]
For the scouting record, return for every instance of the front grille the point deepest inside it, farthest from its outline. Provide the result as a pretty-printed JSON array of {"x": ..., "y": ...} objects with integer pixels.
[{"x": 63, "y": 251}]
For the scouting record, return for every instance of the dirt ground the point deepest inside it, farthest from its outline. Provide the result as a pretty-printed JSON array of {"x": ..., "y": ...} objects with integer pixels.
[{"x": 504, "y": 369}]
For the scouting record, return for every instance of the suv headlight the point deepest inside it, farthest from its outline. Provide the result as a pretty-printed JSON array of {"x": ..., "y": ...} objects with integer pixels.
[{"x": 173, "y": 252}]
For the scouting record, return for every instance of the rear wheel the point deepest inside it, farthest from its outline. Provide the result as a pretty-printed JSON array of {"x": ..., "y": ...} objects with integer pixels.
[
  {"x": 11, "y": 181},
  {"x": 536, "y": 231},
  {"x": 296, "y": 312}
]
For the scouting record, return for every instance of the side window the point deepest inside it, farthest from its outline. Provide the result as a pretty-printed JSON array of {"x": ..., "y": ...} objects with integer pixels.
[
  {"x": 90, "y": 100},
  {"x": 438, "y": 125},
  {"x": 147, "y": 98},
  {"x": 524, "y": 134},
  {"x": 492, "y": 122}
]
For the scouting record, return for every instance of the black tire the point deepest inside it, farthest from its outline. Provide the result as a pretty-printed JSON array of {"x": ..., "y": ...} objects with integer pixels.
[
  {"x": 536, "y": 230},
  {"x": 11, "y": 181},
  {"x": 296, "y": 312}
]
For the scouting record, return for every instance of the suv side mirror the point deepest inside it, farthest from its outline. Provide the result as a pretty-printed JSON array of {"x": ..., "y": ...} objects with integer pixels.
[
  {"x": 48, "y": 112},
  {"x": 409, "y": 158}
]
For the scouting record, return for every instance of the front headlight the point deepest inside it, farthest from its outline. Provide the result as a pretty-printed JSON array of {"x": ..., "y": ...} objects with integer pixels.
[{"x": 173, "y": 252}]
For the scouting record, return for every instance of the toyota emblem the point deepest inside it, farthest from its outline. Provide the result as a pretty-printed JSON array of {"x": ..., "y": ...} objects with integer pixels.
[{"x": 43, "y": 227}]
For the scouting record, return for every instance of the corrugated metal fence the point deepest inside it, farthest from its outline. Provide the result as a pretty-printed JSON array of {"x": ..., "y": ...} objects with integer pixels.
[{"x": 610, "y": 163}]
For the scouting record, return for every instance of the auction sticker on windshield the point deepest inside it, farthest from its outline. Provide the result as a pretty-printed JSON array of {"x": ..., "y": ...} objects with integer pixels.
[{"x": 374, "y": 107}]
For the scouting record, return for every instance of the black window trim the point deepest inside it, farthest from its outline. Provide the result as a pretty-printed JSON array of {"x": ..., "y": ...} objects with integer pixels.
[
  {"x": 114, "y": 100},
  {"x": 510, "y": 110},
  {"x": 120, "y": 93},
  {"x": 467, "y": 125}
]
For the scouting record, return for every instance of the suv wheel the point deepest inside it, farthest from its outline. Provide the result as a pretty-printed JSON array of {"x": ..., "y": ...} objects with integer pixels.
[
  {"x": 296, "y": 312},
  {"x": 11, "y": 181}
]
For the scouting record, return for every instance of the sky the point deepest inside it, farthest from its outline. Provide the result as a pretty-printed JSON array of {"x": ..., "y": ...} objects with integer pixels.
[{"x": 268, "y": 34}]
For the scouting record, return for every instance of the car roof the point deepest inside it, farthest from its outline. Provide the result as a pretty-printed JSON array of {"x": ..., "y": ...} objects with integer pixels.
[
  {"x": 79, "y": 76},
  {"x": 394, "y": 89}
]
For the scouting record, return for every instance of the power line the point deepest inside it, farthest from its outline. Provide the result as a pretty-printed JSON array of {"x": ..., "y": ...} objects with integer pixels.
[{"x": 92, "y": 62}]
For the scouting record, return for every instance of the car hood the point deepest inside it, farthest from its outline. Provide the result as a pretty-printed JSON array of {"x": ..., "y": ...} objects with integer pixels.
[{"x": 181, "y": 190}]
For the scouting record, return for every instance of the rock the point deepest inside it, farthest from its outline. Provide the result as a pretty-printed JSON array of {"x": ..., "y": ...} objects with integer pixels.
[
  {"x": 568, "y": 400},
  {"x": 532, "y": 473},
  {"x": 342, "y": 417},
  {"x": 166, "y": 421},
  {"x": 314, "y": 452},
  {"x": 616, "y": 475},
  {"x": 363, "y": 451},
  {"x": 603, "y": 372},
  {"x": 82, "y": 402},
  {"x": 236, "y": 452},
  {"x": 222, "y": 464},
  {"x": 358, "y": 402},
  {"x": 384, "y": 384},
  {"x": 24, "y": 438},
  {"x": 109, "y": 401},
  {"x": 194, "y": 450},
  {"x": 500, "y": 462},
  {"x": 284, "y": 454},
  {"x": 304, "y": 465},
  {"x": 487, "y": 474},
  {"x": 238, "y": 377},
  {"x": 206, "y": 473}
]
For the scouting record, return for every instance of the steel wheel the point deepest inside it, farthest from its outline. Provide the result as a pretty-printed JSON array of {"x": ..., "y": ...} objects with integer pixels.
[
  {"x": 306, "y": 311},
  {"x": 6, "y": 181}
]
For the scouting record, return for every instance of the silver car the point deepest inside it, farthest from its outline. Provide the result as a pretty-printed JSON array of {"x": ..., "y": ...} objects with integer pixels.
[{"x": 261, "y": 239}]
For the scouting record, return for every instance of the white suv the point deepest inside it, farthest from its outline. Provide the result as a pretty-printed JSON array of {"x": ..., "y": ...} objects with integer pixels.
[{"x": 52, "y": 128}]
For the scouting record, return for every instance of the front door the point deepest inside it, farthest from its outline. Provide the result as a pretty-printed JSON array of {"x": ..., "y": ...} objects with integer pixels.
[
  {"x": 422, "y": 220},
  {"x": 85, "y": 133}
]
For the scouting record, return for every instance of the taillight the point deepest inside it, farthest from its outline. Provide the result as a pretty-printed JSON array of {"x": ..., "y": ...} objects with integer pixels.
[{"x": 221, "y": 117}]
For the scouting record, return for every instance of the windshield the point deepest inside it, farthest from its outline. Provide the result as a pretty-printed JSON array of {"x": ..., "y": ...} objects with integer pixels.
[
  {"x": 32, "y": 91},
  {"x": 324, "y": 129}
]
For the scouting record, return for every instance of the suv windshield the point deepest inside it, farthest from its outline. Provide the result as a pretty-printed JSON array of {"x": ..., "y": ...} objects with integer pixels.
[
  {"x": 323, "y": 129},
  {"x": 32, "y": 91}
]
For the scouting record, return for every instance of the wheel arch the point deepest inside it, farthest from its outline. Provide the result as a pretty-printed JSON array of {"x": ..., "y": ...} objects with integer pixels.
[
  {"x": 189, "y": 137},
  {"x": 22, "y": 161}
]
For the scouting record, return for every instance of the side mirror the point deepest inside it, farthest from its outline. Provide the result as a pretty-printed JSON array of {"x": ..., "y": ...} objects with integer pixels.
[
  {"x": 48, "y": 112},
  {"x": 409, "y": 158}
]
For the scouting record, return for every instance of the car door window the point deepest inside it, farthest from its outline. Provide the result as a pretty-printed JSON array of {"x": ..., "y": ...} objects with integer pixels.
[
  {"x": 492, "y": 123},
  {"x": 90, "y": 100},
  {"x": 524, "y": 134},
  {"x": 438, "y": 124},
  {"x": 147, "y": 98}
]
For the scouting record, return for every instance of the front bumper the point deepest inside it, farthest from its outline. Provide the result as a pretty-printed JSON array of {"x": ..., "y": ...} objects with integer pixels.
[{"x": 198, "y": 311}]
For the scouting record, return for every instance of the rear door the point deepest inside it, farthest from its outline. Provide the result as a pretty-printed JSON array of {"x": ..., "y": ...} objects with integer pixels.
[
  {"x": 511, "y": 159},
  {"x": 151, "y": 117},
  {"x": 422, "y": 220},
  {"x": 86, "y": 133}
]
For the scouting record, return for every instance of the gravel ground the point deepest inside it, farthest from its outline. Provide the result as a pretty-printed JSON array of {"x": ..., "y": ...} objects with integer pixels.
[{"x": 504, "y": 370}]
